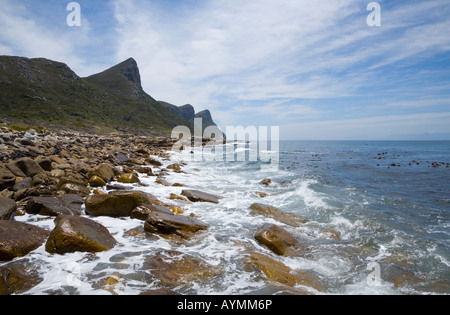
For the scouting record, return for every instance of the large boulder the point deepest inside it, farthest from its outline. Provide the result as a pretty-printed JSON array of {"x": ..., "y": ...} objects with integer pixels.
[
  {"x": 169, "y": 224},
  {"x": 54, "y": 206},
  {"x": 276, "y": 214},
  {"x": 116, "y": 204},
  {"x": 8, "y": 208},
  {"x": 25, "y": 167},
  {"x": 199, "y": 196},
  {"x": 279, "y": 272},
  {"x": 78, "y": 234},
  {"x": 278, "y": 240},
  {"x": 17, "y": 239},
  {"x": 173, "y": 268}
]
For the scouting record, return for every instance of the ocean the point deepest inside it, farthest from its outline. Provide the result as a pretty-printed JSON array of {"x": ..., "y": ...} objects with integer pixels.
[{"x": 389, "y": 201}]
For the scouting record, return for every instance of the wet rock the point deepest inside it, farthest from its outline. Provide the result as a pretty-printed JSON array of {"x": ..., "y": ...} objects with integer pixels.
[
  {"x": 163, "y": 182},
  {"x": 7, "y": 208},
  {"x": 199, "y": 196},
  {"x": 128, "y": 179},
  {"x": 153, "y": 161},
  {"x": 176, "y": 197},
  {"x": 274, "y": 213},
  {"x": 142, "y": 212},
  {"x": 168, "y": 224},
  {"x": 96, "y": 181},
  {"x": 18, "y": 239},
  {"x": 17, "y": 278},
  {"x": 266, "y": 182},
  {"x": 53, "y": 206},
  {"x": 278, "y": 240},
  {"x": 104, "y": 171},
  {"x": 116, "y": 204},
  {"x": 24, "y": 167},
  {"x": 279, "y": 272},
  {"x": 78, "y": 234},
  {"x": 173, "y": 268}
]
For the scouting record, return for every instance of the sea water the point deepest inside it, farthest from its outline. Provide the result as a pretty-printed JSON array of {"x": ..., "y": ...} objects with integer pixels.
[{"x": 389, "y": 202}]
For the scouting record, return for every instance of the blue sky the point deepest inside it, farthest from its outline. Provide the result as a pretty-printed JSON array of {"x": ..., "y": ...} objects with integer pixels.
[{"x": 314, "y": 68}]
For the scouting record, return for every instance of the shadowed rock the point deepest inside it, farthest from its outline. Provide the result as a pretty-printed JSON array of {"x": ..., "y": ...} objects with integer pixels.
[{"x": 165, "y": 223}]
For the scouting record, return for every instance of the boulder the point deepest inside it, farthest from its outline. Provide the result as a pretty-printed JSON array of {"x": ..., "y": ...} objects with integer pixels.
[
  {"x": 78, "y": 234},
  {"x": 96, "y": 181},
  {"x": 199, "y": 196},
  {"x": 116, "y": 203},
  {"x": 8, "y": 208},
  {"x": 163, "y": 182},
  {"x": 7, "y": 179},
  {"x": 276, "y": 214},
  {"x": 128, "y": 179},
  {"x": 170, "y": 224},
  {"x": 277, "y": 239},
  {"x": 25, "y": 167},
  {"x": 18, "y": 278},
  {"x": 54, "y": 206},
  {"x": 142, "y": 212},
  {"x": 104, "y": 171},
  {"x": 279, "y": 272},
  {"x": 266, "y": 182},
  {"x": 17, "y": 239},
  {"x": 173, "y": 268}
]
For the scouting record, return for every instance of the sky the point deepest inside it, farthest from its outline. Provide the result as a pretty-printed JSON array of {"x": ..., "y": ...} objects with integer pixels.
[{"x": 315, "y": 68}]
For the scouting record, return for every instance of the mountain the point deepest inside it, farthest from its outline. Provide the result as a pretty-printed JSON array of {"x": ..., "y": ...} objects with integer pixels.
[
  {"x": 47, "y": 93},
  {"x": 187, "y": 112}
]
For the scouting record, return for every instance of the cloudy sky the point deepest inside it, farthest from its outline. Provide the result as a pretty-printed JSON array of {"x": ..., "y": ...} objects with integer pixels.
[{"x": 314, "y": 68}]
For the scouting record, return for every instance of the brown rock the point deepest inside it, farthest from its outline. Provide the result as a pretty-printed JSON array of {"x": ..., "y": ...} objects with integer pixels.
[
  {"x": 174, "y": 268},
  {"x": 142, "y": 212},
  {"x": 116, "y": 204},
  {"x": 78, "y": 234},
  {"x": 278, "y": 240},
  {"x": 8, "y": 208},
  {"x": 163, "y": 182},
  {"x": 18, "y": 239},
  {"x": 128, "y": 179},
  {"x": 44, "y": 162},
  {"x": 96, "y": 181},
  {"x": 17, "y": 278},
  {"x": 25, "y": 166},
  {"x": 167, "y": 224},
  {"x": 266, "y": 182},
  {"x": 274, "y": 213},
  {"x": 7, "y": 179},
  {"x": 199, "y": 196},
  {"x": 279, "y": 272},
  {"x": 70, "y": 188},
  {"x": 54, "y": 206},
  {"x": 104, "y": 171}
]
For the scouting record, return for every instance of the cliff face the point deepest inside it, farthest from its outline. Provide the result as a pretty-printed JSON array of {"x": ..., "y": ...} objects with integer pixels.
[{"x": 50, "y": 94}]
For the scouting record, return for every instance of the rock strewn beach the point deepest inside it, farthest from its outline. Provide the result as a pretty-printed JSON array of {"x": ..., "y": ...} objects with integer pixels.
[{"x": 75, "y": 178}]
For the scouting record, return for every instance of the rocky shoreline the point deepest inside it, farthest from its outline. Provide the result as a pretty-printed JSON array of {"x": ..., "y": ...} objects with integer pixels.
[{"x": 74, "y": 178}]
